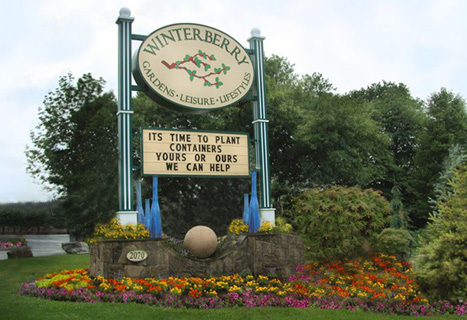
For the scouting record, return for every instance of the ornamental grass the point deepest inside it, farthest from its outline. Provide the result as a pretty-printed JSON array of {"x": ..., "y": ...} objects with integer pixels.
[{"x": 379, "y": 284}]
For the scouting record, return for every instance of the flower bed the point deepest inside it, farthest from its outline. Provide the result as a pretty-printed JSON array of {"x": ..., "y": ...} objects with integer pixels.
[
  {"x": 379, "y": 284},
  {"x": 7, "y": 244}
]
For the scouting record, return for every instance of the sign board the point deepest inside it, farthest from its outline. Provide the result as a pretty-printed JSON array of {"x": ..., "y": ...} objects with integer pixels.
[
  {"x": 194, "y": 153},
  {"x": 193, "y": 67},
  {"x": 137, "y": 255}
]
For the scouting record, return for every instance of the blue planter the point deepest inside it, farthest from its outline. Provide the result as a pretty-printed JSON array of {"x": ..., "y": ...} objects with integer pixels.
[
  {"x": 139, "y": 204},
  {"x": 246, "y": 209},
  {"x": 254, "y": 206},
  {"x": 155, "y": 229}
]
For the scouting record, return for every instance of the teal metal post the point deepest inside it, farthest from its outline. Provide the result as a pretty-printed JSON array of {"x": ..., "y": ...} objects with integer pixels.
[
  {"x": 126, "y": 213},
  {"x": 260, "y": 125}
]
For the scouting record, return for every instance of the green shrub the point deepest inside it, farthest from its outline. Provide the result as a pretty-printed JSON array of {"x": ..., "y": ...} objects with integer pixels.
[
  {"x": 398, "y": 242},
  {"x": 282, "y": 226},
  {"x": 339, "y": 222},
  {"x": 441, "y": 263}
]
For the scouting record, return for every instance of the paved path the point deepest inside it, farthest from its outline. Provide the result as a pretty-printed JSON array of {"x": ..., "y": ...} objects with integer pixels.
[{"x": 41, "y": 244}]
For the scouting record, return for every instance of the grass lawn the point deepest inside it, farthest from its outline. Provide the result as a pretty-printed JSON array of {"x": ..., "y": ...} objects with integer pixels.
[{"x": 17, "y": 307}]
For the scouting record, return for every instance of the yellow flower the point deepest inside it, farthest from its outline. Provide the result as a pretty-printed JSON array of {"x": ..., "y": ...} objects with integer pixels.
[
  {"x": 237, "y": 227},
  {"x": 235, "y": 288},
  {"x": 266, "y": 227},
  {"x": 176, "y": 291},
  {"x": 114, "y": 230}
]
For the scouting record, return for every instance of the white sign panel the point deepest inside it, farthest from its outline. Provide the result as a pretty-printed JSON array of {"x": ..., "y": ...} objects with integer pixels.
[{"x": 194, "y": 153}]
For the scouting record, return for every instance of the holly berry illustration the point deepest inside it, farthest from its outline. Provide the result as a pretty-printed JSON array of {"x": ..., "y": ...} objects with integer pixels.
[{"x": 202, "y": 61}]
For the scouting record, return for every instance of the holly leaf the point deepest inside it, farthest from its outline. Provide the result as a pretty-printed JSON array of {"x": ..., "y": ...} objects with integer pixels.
[
  {"x": 192, "y": 75},
  {"x": 212, "y": 58},
  {"x": 225, "y": 68},
  {"x": 207, "y": 83},
  {"x": 201, "y": 53},
  {"x": 217, "y": 70},
  {"x": 207, "y": 67},
  {"x": 187, "y": 57},
  {"x": 219, "y": 84}
]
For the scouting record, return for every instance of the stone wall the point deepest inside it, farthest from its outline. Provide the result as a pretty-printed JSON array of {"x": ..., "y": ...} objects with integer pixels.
[{"x": 261, "y": 253}]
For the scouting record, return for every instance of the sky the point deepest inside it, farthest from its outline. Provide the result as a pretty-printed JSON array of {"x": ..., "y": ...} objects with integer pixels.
[{"x": 352, "y": 43}]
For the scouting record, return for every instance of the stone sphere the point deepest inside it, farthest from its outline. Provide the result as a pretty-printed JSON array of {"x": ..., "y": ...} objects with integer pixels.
[{"x": 201, "y": 241}]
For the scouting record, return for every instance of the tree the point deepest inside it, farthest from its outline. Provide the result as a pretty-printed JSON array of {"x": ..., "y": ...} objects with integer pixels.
[
  {"x": 186, "y": 202},
  {"x": 74, "y": 150},
  {"x": 401, "y": 119},
  {"x": 451, "y": 164},
  {"x": 446, "y": 125},
  {"x": 441, "y": 264},
  {"x": 344, "y": 145},
  {"x": 287, "y": 96},
  {"x": 12, "y": 218}
]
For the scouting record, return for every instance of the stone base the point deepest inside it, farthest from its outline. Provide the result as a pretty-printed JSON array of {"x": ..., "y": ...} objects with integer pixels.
[{"x": 262, "y": 254}]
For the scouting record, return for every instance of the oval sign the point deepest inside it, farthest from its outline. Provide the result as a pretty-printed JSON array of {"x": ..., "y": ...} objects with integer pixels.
[
  {"x": 136, "y": 255},
  {"x": 193, "y": 67}
]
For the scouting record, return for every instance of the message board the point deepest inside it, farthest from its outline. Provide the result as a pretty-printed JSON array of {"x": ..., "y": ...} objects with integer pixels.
[{"x": 194, "y": 153}]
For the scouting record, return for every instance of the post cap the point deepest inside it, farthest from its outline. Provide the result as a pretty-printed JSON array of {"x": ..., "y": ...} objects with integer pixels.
[
  {"x": 255, "y": 32},
  {"x": 125, "y": 12}
]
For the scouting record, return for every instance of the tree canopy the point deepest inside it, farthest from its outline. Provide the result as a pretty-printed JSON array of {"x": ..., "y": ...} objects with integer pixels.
[
  {"x": 377, "y": 137},
  {"x": 74, "y": 150}
]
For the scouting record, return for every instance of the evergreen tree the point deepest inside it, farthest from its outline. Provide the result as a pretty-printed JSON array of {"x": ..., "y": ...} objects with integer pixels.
[
  {"x": 446, "y": 125},
  {"x": 442, "y": 259},
  {"x": 455, "y": 159}
]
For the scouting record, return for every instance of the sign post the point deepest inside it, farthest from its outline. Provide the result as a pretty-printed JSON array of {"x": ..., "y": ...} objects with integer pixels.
[
  {"x": 195, "y": 69},
  {"x": 260, "y": 125},
  {"x": 126, "y": 213}
]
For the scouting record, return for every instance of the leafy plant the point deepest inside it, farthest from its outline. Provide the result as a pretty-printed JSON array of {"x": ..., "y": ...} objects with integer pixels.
[
  {"x": 398, "y": 242},
  {"x": 115, "y": 230},
  {"x": 339, "y": 221},
  {"x": 266, "y": 227},
  {"x": 237, "y": 227},
  {"x": 11, "y": 243},
  {"x": 282, "y": 226},
  {"x": 442, "y": 259}
]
